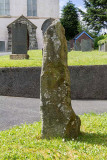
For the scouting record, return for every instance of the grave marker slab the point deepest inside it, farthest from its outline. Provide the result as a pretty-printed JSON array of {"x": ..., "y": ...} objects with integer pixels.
[
  {"x": 86, "y": 45},
  {"x": 2, "y": 46},
  {"x": 19, "y": 38},
  {"x": 77, "y": 46},
  {"x": 46, "y": 24},
  {"x": 19, "y": 41}
]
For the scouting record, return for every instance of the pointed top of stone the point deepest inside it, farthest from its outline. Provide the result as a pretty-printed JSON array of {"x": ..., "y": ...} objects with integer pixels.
[{"x": 56, "y": 44}]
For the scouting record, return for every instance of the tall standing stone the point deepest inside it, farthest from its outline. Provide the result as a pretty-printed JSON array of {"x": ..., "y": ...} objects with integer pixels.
[{"x": 58, "y": 117}]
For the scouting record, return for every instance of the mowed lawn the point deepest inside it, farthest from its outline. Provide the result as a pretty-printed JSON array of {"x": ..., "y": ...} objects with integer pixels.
[
  {"x": 25, "y": 143},
  {"x": 74, "y": 58}
]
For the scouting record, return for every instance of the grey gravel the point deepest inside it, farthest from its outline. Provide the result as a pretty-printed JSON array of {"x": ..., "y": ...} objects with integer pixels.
[
  {"x": 4, "y": 53},
  {"x": 16, "y": 111}
]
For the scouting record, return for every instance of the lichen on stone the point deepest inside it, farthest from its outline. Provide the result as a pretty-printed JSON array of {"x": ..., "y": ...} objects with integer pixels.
[{"x": 58, "y": 117}]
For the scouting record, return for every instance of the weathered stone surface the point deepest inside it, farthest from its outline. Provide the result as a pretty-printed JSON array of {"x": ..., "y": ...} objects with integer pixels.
[
  {"x": 32, "y": 43},
  {"x": 19, "y": 38},
  {"x": 58, "y": 117},
  {"x": 86, "y": 45},
  {"x": 19, "y": 56},
  {"x": 46, "y": 24},
  {"x": 77, "y": 46},
  {"x": 69, "y": 46},
  {"x": 103, "y": 47},
  {"x": 2, "y": 46}
]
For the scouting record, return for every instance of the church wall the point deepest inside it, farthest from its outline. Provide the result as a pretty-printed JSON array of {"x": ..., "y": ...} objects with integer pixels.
[
  {"x": 18, "y": 7},
  {"x": 48, "y": 8},
  {"x": 45, "y": 10}
]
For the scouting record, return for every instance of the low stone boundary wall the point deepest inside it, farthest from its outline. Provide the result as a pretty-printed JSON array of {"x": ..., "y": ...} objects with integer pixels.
[{"x": 87, "y": 82}]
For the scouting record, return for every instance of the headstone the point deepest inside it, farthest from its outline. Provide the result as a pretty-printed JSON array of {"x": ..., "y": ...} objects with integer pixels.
[
  {"x": 19, "y": 38},
  {"x": 58, "y": 117},
  {"x": 46, "y": 24},
  {"x": 103, "y": 47},
  {"x": 19, "y": 41},
  {"x": 32, "y": 38},
  {"x": 68, "y": 46},
  {"x": 2, "y": 46},
  {"x": 86, "y": 45},
  {"x": 77, "y": 46}
]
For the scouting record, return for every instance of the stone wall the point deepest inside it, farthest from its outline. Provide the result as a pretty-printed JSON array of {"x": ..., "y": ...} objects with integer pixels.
[{"x": 87, "y": 82}]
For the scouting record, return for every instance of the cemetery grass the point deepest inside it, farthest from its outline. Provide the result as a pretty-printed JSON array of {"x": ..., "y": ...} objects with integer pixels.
[
  {"x": 74, "y": 58},
  {"x": 25, "y": 142}
]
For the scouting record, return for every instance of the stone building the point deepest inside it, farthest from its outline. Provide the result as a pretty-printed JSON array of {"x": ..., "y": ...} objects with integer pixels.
[
  {"x": 82, "y": 41},
  {"x": 33, "y": 13}
]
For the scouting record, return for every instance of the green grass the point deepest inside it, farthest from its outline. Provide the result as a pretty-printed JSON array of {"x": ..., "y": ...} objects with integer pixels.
[
  {"x": 74, "y": 58},
  {"x": 24, "y": 142},
  {"x": 34, "y": 60},
  {"x": 87, "y": 58}
]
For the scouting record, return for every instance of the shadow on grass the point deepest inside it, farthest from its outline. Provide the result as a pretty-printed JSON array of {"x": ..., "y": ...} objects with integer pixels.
[{"x": 93, "y": 138}]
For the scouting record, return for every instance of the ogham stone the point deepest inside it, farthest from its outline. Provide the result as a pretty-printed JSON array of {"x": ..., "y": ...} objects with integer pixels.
[{"x": 58, "y": 117}]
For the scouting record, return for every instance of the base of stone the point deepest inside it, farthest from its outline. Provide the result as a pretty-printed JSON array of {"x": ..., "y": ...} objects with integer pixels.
[{"x": 19, "y": 56}]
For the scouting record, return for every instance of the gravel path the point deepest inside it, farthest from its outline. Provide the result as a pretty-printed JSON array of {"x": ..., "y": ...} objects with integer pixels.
[
  {"x": 15, "y": 110},
  {"x": 4, "y": 53}
]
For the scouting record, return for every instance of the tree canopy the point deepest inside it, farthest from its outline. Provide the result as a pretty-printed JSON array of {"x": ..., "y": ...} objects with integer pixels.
[
  {"x": 96, "y": 14},
  {"x": 69, "y": 20}
]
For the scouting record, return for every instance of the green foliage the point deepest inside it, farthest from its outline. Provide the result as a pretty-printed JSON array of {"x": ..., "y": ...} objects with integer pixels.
[
  {"x": 25, "y": 143},
  {"x": 80, "y": 27},
  {"x": 96, "y": 14},
  {"x": 74, "y": 58},
  {"x": 83, "y": 27},
  {"x": 69, "y": 20},
  {"x": 103, "y": 40},
  {"x": 96, "y": 41}
]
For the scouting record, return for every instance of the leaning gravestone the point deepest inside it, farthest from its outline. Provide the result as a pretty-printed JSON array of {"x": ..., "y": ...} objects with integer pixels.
[
  {"x": 86, "y": 45},
  {"x": 19, "y": 41},
  {"x": 58, "y": 117},
  {"x": 46, "y": 24}
]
